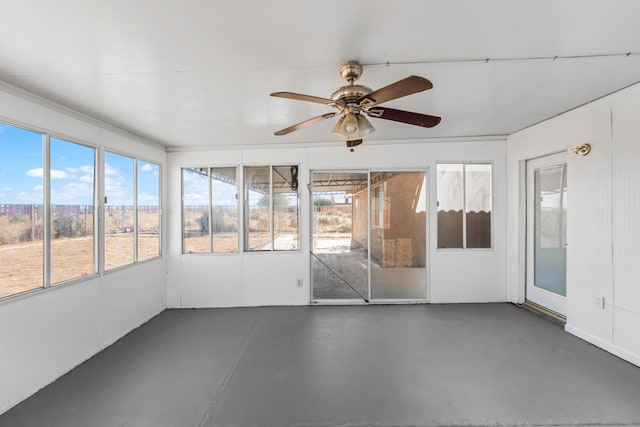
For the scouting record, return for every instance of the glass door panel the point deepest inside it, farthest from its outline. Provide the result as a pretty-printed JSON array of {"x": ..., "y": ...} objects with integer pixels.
[
  {"x": 547, "y": 232},
  {"x": 339, "y": 259},
  {"x": 550, "y": 253},
  {"x": 398, "y": 235}
]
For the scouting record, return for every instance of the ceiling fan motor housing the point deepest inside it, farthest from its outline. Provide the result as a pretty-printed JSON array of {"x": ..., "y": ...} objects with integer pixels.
[{"x": 350, "y": 94}]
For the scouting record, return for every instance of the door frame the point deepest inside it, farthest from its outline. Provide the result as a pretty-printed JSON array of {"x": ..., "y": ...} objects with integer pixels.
[
  {"x": 344, "y": 301},
  {"x": 546, "y": 299},
  {"x": 371, "y": 301}
]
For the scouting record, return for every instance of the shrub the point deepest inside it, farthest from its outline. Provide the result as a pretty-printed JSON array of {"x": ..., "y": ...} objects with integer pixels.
[{"x": 322, "y": 202}]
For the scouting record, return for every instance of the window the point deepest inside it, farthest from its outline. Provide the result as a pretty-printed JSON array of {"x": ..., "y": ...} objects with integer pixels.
[
  {"x": 356, "y": 205},
  {"x": 119, "y": 211},
  {"x": 132, "y": 210},
  {"x": 464, "y": 205},
  {"x": 224, "y": 210},
  {"x": 378, "y": 206},
  {"x": 148, "y": 210},
  {"x": 72, "y": 252},
  {"x": 271, "y": 208},
  {"x": 209, "y": 210},
  {"x": 195, "y": 211},
  {"x": 46, "y": 210},
  {"x": 21, "y": 210}
]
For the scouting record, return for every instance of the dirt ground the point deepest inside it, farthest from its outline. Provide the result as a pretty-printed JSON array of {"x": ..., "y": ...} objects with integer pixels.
[{"x": 22, "y": 264}]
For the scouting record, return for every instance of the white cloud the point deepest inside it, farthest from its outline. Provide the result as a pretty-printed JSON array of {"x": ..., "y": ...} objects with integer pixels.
[
  {"x": 88, "y": 169},
  {"x": 110, "y": 170},
  {"x": 39, "y": 173},
  {"x": 86, "y": 178},
  {"x": 146, "y": 168},
  {"x": 73, "y": 193},
  {"x": 30, "y": 198},
  {"x": 196, "y": 199},
  {"x": 35, "y": 173},
  {"x": 118, "y": 190}
]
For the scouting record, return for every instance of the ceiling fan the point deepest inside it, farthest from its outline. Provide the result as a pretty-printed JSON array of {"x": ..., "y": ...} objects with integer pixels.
[{"x": 354, "y": 102}]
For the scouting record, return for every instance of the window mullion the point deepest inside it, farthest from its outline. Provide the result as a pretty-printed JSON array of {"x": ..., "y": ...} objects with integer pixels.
[
  {"x": 210, "y": 210},
  {"x": 271, "y": 207},
  {"x": 135, "y": 210},
  {"x": 464, "y": 206},
  {"x": 97, "y": 211},
  {"x": 46, "y": 210}
]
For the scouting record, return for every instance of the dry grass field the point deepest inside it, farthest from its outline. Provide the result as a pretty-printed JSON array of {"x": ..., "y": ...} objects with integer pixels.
[{"x": 21, "y": 262}]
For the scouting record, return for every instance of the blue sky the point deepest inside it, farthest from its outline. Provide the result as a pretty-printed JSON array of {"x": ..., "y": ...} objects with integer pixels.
[
  {"x": 197, "y": 193},
  {"x": 72, "y": 171}
]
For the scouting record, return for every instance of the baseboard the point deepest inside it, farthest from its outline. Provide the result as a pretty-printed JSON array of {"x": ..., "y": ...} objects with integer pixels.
[{"x": 605, "y": 345}]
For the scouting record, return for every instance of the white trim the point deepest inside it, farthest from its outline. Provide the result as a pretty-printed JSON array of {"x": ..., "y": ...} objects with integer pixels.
[
  {"x": 599, "y": 342},
  {"x": 331, "y": 143},
  {"x": 46, "y": 210}
]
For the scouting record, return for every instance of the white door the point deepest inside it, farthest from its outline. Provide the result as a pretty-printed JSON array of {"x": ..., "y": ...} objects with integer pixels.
[{"x": 546, "y": 282}]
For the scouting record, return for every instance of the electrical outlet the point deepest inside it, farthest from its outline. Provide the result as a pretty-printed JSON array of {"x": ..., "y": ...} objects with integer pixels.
[
  {"x": 600, "y": 302},
  {"x": 299, "y": 283}
]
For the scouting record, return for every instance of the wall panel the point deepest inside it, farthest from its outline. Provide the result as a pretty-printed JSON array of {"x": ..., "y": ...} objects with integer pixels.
[
  {"x": 602, "y": 227},
  {"x": 249, "y": 279},
  {"x": 48, "y": 332}
]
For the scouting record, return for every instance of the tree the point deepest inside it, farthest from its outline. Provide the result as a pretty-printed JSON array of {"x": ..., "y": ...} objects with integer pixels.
[
  {"x": 279, "y": 200},
  {"x": 322, "y": 202}
]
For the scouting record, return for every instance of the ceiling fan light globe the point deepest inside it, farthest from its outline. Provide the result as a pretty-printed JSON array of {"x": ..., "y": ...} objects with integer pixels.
[
  {"x": 365, "y": 126},
  {"x": 337, "y": 129},
  {"x": 349, "y": 127}
]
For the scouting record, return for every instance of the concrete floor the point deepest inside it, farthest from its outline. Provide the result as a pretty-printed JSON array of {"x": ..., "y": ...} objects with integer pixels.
[
  {"x": 333, "y": 270},
  {"x": 415, "y": 365}
]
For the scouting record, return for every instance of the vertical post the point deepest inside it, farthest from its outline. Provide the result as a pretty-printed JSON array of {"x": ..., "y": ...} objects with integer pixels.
[
  {"x": 46, "y": 211},
  {"x": 135, "y": 210},
  {"x": 33, "y": 222}
]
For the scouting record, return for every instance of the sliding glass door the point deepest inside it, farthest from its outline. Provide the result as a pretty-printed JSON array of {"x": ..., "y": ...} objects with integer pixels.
[
  {"x": 339, "y": 264},
  {"x": 398, "y": 235},
  {"x": 368, "y": 236}
]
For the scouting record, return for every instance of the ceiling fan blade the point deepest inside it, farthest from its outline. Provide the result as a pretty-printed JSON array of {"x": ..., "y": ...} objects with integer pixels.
[
  {"x": 354, "y": 143},
  {"x": 401, "y": 116},
  {"x": 404, "y": 87},
  {"x": 300, "y": 97},
  {"x": 305, "y": 123}
]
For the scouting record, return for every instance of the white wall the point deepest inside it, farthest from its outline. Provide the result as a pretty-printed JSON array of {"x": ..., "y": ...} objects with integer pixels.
[
  {"x": 250, "y": 279},
  {"x": 602, "y": 227},
  {"x": 48, "y": 332}
]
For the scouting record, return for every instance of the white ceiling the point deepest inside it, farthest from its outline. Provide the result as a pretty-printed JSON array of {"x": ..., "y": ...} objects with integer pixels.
[{"x": 190, "y": 73}]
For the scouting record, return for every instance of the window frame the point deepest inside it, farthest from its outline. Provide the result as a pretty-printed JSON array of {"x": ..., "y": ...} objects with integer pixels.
[
  {"x": 377, "y": 211},
  {"x": 96, "y": 210},
  {"x": 46, "y": 136},
  {"x": 103, "y": 157},
  {"x": 210, "y": 210},
  {"x": 245, "y": 210},
  {"x": 160, "y": 212},
  {"x": 464, "y": 204}
]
